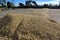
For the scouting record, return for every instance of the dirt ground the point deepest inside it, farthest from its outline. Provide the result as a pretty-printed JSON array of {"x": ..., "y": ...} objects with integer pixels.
[
  {"x": 30, "y": 24},
  {"x": 53, "y": 13}
]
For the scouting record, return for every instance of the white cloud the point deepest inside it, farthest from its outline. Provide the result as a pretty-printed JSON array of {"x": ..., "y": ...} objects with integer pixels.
[{"x": 50, "y": 2}]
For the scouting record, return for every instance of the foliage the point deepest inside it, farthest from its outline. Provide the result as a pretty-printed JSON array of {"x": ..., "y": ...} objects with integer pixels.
[{"x": 10, "y": 5}]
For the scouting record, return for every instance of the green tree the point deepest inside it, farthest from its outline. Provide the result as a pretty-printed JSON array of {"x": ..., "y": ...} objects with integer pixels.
[
  {"x": 21, "y": 4},
  {"x": 9, "y": 5}
]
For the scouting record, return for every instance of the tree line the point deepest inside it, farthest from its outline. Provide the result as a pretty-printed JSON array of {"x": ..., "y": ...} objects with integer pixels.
[{"x": 27, "y": 5}]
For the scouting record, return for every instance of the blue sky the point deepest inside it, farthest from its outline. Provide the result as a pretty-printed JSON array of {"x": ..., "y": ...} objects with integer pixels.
[{"x": 16, "y": 2}]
